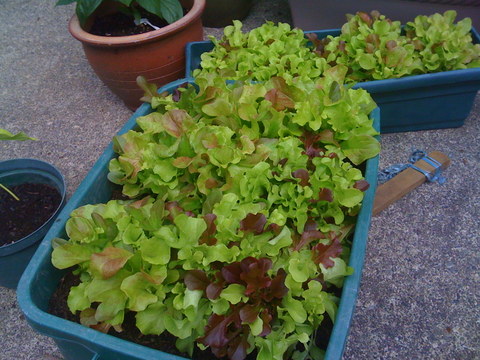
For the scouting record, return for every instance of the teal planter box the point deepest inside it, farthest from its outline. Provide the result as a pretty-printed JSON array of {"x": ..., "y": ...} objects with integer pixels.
[
  {"x": 419, "y": 102},
  {"x": 75, "y": 341}
]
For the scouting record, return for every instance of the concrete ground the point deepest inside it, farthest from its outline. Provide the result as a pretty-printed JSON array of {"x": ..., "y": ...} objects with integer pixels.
[{"x": 420, "y": 291}]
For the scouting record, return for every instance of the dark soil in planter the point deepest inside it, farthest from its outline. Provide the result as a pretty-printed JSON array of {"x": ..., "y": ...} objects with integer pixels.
[
  {"x": 120, "y": 24},
  {"x": 20, "y": 218}
]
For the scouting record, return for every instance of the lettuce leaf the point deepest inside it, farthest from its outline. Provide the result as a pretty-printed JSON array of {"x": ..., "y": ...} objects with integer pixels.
[{"x": 442, "y": 44}]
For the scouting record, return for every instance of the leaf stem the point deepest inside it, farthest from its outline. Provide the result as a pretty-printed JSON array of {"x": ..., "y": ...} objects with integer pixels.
[{"x": 10, "y": 192}]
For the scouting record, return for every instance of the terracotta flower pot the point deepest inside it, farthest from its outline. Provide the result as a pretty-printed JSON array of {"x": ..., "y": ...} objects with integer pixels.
[{"x": 157, "y": 55}]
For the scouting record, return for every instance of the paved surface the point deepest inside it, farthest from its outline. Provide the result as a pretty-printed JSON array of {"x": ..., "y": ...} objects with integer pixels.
[{"x": 420, "y": 291}]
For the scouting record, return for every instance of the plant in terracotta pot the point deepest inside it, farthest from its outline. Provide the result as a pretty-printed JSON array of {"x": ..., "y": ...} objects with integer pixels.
[
  {"x": 220, "y": 13},
  {"x": 148, "y": 39},
  {"x": 31, "y": 194}
]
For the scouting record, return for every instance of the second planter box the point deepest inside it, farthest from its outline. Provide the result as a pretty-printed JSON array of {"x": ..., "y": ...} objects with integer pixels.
[{"x": 418, "y": 102}]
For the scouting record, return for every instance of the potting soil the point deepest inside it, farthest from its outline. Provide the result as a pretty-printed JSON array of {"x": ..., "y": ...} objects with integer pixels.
[{"x": 19, "y": 218}]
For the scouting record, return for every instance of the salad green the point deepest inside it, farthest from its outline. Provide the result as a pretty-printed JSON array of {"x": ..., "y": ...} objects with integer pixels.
[
  {"x": 372, "y": 46},
  {"x": 236, "y": 236},
  {"x": 443, "y": 45},
  {"x": 262, "y": 53}
]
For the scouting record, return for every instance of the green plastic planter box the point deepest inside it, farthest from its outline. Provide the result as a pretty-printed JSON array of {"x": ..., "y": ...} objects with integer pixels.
[
  {"x": 419, "y": 102},
  {"x": 75, "y": 341}
]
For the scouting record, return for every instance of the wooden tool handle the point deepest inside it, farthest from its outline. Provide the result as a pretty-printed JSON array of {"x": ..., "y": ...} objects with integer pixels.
[{"x": 405, "y": 182}]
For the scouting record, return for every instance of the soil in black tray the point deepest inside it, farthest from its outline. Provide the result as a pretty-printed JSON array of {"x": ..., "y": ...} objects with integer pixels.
[
  {"x": 21, "y": 217},
  {"x": 120, "y": 24}
]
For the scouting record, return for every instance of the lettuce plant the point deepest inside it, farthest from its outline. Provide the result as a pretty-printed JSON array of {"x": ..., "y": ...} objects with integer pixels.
[
  {"x": 370, "y": 45},
  {"x": 443, "y": 45},
  {"x": 236, "y": 236},
  {"x": 262, "y": 53},
  {"x": 373, "y": 48}
]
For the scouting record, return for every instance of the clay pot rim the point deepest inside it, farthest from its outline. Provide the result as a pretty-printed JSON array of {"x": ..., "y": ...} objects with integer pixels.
[{"x": 117, "y": 41}]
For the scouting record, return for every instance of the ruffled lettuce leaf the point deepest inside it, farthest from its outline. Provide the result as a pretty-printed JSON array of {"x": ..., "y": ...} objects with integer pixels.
[{"x": 443, "y": 44}]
